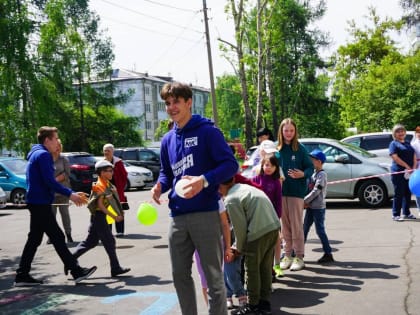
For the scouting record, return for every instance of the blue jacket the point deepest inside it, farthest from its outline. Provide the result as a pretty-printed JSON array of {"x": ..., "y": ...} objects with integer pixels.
[
  {"x": 197, "y": 149},
  {"x": 40, "y": 177}
]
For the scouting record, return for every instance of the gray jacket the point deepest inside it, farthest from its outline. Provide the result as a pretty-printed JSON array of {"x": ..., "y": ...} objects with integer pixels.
[{"x": 318, "y": 190}]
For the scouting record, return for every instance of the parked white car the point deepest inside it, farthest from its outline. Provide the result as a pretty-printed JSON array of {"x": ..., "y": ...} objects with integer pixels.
[
  {"x": 138, "y": 177},
  {"x": 375, "y": 142}
]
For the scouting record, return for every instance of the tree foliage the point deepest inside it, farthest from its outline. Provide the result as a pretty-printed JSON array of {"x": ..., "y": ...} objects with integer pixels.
[
  {"x": 49, "y": 50},
  {"x": 375, "y": 85},
  {"x": 229, "y": 102},
  {"x": 280, "y": 63}
]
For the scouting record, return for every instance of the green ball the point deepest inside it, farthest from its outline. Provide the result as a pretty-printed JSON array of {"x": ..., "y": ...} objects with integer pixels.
[{"x": 147, "y": 214}]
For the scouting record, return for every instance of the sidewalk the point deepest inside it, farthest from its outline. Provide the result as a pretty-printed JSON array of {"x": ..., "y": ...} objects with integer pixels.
[{"x": 377, "y": 269}]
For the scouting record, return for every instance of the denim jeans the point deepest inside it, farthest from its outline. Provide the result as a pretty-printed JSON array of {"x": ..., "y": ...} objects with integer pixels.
[
  {"x": 317, "y": 216},
  {"x": 402, "y": 197},
  {"x": 233, "y": 278}
]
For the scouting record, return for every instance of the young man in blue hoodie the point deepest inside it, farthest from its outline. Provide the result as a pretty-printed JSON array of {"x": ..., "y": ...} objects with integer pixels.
[
  {"x": 194, "y": 149},
  {"x": 39, "y": 197}
]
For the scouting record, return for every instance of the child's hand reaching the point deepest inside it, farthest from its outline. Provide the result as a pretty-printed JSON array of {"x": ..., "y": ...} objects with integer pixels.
[{"x": 229, "y": 255}]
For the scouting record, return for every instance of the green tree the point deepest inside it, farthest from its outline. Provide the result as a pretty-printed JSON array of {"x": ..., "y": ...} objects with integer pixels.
[
  {"x": 47, "y": 46},
  {"x": 229, "y": 102},
  {"x": 17, "y": 75},
  {"x": 371, "y": 48},
  {"x": 277, "y": 62}
]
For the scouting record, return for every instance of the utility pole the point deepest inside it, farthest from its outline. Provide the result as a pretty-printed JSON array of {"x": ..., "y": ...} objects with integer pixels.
[{"x": 213, "y": 92}]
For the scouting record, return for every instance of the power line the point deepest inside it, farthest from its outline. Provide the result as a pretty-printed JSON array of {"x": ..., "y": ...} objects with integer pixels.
[
  {"x": 149, "y": 16},
  {"x": 146, "y": 29},
  {"x": 168, "y": 49},
  {"x": 170, "y": 6}
]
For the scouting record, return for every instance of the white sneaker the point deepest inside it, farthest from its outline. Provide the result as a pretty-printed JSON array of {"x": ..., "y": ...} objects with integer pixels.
[
  {"x": 298, "y": 264},
  {"x": 285, "y": 263},
  {"x": 229, "y": 303}
]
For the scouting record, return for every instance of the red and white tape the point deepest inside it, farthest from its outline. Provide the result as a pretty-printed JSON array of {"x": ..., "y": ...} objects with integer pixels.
[{"x": 367, "y": 177}]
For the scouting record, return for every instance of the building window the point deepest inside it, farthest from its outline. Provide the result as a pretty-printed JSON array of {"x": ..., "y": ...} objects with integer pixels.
[
  {"x": 146, "y": 90},
  {"x": 148, "y": 125},
  {"x": 148, "y": 108},
  {"x": 161, "y": 107}
]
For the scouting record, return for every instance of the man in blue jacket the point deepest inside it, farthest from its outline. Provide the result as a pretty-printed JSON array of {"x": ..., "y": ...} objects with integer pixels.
[
  {"x": 39, "y": 197},
  {"x": 194, "y": 149}
]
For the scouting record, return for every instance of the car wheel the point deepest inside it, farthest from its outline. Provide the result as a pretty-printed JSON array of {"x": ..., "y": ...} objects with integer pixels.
[
  {"x": 18, "y": 197},
  {"x": 372, "y": 194}
]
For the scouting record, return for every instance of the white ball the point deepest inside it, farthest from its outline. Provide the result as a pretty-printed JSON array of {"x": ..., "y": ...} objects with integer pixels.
[{"x": 179, "y": 187}]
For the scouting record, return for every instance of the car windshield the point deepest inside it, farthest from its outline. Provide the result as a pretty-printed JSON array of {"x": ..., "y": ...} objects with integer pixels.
[
  {"x": 156, "y": 150},
  {"x": 17, "y": 166},
  {"x": 358, "y": 150}
]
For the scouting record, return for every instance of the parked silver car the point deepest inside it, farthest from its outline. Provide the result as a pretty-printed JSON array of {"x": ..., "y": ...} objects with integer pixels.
[
  {"x": 353, "y": 172},
  {"x": 3, "y": 199},
  {"x": 361, "y": 174}
]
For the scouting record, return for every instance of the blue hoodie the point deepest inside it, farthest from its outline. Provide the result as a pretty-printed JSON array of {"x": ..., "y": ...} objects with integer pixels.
[
  {"x": 197, "y": 149},
  {"x": 40, "y": 177}
]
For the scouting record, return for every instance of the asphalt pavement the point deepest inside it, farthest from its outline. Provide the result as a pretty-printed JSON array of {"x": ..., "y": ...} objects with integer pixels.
[{"x": 377, "y": 269}]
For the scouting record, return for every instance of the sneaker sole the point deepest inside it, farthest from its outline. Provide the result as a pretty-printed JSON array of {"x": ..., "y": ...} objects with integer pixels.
[
  {"x": 297, "y": 268},
  {"x": 77, "y": 280}
]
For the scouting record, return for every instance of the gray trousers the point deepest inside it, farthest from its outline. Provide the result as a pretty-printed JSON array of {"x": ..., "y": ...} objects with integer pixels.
[
  {"x": 201, "y": 231},
  {"x": 65, "y": 217}
]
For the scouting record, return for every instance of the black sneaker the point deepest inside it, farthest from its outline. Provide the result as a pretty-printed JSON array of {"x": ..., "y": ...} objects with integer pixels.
[
  {"x": 264, "y": 307},
  {"x": 327, "y": 258},
  {"x": 80, "y": 273},
  {"x": 118, "y": 272},
  {"x": 248, "y": 309},
  {"x": 25, "y": 280}
]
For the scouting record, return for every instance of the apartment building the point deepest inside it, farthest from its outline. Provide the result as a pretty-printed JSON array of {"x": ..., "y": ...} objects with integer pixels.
[{"x": 145, "y": 101}]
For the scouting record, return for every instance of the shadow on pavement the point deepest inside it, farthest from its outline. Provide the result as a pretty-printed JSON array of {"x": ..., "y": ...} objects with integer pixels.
[
  {"x": 294, "y": 298},
  {"x": 297, "y": 290}
]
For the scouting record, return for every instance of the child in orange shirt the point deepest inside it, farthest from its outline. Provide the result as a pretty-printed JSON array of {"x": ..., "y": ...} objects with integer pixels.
[{"x": 103, "y": 196}]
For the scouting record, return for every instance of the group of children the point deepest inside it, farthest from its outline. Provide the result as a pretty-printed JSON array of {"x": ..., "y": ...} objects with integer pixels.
[{"x": 254, "y": 209}]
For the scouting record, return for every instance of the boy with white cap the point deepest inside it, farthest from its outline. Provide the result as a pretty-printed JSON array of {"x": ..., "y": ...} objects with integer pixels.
[{"x": 103, "y": 196}]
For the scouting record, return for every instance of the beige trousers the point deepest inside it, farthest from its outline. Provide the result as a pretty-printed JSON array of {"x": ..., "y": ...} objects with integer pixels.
[{"x": 292, "y": 226}]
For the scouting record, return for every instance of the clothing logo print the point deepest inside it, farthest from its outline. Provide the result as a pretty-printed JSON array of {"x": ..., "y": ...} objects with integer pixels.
[{"x": 191, "y": 142}]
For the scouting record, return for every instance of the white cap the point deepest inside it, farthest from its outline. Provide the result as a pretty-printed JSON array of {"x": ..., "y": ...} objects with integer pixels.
[
  {"x": 268, "y": 146},
  {"x": 103, "y": 163}
]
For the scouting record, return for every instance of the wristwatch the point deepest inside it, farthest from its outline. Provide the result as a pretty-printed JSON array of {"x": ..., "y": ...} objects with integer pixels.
[{"x": 205, "y": 182}]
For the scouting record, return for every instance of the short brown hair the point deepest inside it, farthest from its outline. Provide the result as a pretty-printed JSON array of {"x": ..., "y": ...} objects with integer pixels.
[
  {"x": 45, "y": 132},
  {"x": 176, "y": 90}
]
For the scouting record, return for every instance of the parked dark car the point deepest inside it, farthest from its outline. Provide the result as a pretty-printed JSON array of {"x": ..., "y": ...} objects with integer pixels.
[
  {"x": 145, "y": 157},
  {"x": 82, "y": 170}
]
